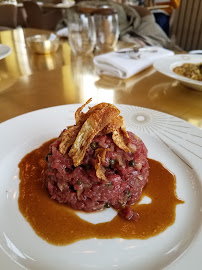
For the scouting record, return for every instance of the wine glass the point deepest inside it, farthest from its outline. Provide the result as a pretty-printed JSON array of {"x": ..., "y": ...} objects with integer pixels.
[
  {"x": 82, "y": 36},
  {"x": 107, "y": 28}
]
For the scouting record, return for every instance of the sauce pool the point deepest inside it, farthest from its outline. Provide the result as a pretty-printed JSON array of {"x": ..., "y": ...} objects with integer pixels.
[{"x": 58, "y": 224}]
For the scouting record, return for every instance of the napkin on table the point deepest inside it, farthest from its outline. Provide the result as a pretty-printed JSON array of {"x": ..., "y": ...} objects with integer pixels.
[
  {"x": 122, "y": 66},
  {"x": 63, "y": 32}
]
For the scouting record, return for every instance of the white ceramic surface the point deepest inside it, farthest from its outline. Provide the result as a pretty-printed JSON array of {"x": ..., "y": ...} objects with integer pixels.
[
  {"x": 4, "y": 51},
  {"x": 172, "y": 141},
  {"x": 166, "y": 66},
  {"x": 195, "y": 52}
]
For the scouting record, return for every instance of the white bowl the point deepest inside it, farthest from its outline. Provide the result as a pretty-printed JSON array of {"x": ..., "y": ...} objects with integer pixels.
[{"x": 166, "y": 66}]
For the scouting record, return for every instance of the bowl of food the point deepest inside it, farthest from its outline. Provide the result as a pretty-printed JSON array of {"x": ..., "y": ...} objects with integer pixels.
[
  {"x": 186, "y": 68},
  {"x": 43, "y": 44}
]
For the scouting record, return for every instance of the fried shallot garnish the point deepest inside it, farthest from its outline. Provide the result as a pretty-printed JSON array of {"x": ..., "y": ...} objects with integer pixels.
[
  {"x": 79, "y": 115},
  {"x": 116, "y": 127},
  {"x": 101, "y": 119},
  {"x": 100, "y": 154},
  {"x": 82, "y": 117},
  {"x": 68, "y": 137},
  {"x": 85, "y": 116},
  {"x": 91, "y": 127},
  {"x": 119, "y": 140}
]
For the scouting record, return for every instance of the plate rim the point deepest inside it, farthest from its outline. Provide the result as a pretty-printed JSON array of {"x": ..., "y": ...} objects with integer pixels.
[{"x": 78, "y": 104}]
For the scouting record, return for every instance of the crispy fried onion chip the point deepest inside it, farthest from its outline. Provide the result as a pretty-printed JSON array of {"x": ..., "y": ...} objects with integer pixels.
[
  {"x": 100, "y": 154},
  {"x": 117, "y": 128},
  {"x": 99, "y": 120}
]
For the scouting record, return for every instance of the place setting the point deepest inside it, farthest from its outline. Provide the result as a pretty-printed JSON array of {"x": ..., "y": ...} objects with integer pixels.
[{"x": 98, "y": 33}]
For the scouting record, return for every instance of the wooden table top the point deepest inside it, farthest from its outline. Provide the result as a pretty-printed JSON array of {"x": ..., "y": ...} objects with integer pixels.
[{"x": 29, "y": 82}]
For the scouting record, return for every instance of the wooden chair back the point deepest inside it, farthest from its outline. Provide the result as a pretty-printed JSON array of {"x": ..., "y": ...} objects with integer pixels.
[
  {"x": 36, "y": 18},
  {"x": 8, "y": 16}
]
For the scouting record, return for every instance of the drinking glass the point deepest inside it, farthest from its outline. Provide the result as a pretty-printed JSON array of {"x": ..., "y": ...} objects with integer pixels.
[
  {"x": 107, "y": 28},
  {"x": 82, "y": 36}
]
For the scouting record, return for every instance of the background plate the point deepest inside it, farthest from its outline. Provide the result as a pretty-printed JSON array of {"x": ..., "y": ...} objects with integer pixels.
[
  {"x": 4, "y": 51},
  {"x": 166, "y": 66}
]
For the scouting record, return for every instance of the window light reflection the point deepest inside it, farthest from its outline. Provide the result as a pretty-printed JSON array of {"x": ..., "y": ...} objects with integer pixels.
[
  {"x": 22, "y": 56},
  {"x": 14, "y": 195},
  {"x": 13, "y": 248},
  {"x": 89, "y": 251},
  {"x": 98, "y": 94},
  {"x": 195, "y": 122}
]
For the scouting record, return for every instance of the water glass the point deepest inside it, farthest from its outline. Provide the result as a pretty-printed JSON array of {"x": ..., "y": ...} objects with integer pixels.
[
  {"x": 107, "y": 29},
  {"x": 82, "y": 36}
]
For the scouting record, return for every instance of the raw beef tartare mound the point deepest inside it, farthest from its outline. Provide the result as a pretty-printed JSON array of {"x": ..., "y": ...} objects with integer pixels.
[{"x": 96, "y": 163}]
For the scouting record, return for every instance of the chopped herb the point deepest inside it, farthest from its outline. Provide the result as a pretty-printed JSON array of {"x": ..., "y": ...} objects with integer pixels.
[
  {"x": 107, "y": 205},
  {"x": 132, "y": 163},
  {"x": 79, "y": 182},
  {"x": 93, "y": 145},
  {"x": 128, "y": 194},
  {"x": 111, "y": 162},
  {"x": 109, "y": 184}
]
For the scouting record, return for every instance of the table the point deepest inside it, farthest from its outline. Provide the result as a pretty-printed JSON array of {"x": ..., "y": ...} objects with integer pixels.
[{"x": 29, "y": 82}]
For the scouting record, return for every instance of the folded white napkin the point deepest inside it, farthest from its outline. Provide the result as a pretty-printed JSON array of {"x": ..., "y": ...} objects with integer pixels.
[
  {"x": 63, "y": 32},
  {"x": 121, "y": 65},
  {"x": 66, "y": 4}
]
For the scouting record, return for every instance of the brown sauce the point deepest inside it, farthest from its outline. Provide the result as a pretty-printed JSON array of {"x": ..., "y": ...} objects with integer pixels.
[{"x": 59, "y": 225}]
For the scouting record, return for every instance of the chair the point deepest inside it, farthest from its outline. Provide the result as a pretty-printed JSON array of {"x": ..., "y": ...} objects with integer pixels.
[
  {"x": 162, "y": 11},
  {"x": 36, "y": 18},
  {"x": 22, "y": 17},
  {"x": 186, "y": 25},
  {"x": 8, "y": 16}
]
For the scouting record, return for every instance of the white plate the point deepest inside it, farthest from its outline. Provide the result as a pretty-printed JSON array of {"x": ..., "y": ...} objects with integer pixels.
[
  {"x": 174, "y": 142},
  {"x": 166, "y": 66},
  {"x": 4, "y": 51},
  {"x": 196, "y": 52}
]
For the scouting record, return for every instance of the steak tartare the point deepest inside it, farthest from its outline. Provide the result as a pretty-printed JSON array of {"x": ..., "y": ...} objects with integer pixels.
[{"x": 111, "y": 172}]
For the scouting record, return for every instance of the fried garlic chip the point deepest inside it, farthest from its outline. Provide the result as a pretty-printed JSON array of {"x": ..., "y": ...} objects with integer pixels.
[
  {"x": 97, "y": 120},
  {"x": 68, "y": 137},
  {"x": 100, "y": 154},
  {"x": 116, "y": 127},
  {"x": 119, "y": 140},
  {"x": 82, "y": 117},
  {"x": 116, "y": 123},
  {"x": 79, "y": 115}
]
